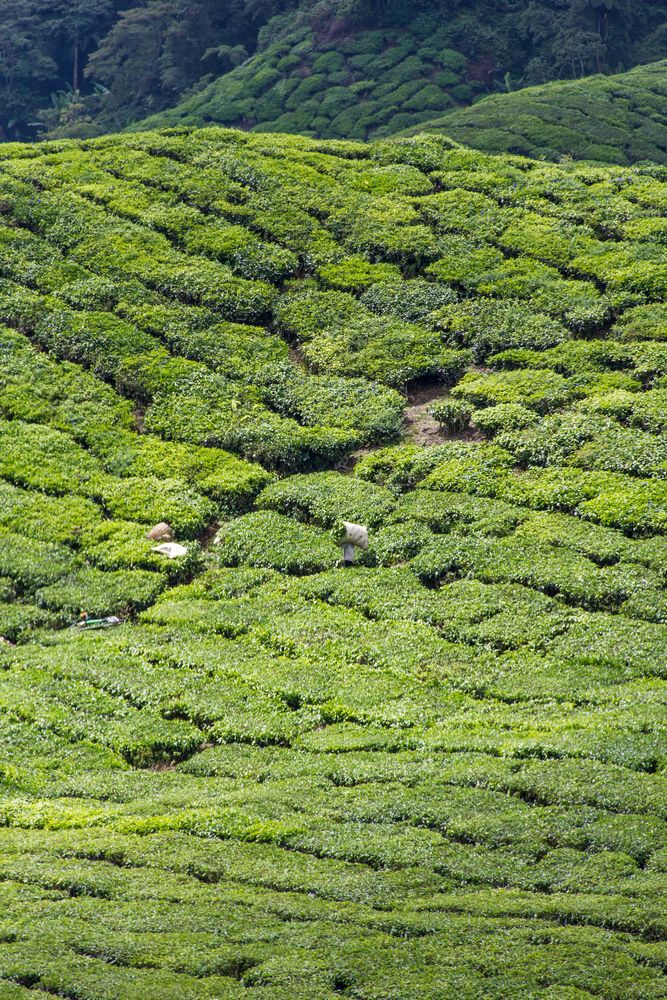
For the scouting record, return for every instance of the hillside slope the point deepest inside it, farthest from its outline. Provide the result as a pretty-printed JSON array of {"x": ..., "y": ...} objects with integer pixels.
[
  {"x": 90, "y": 69},
  {"x": 439, "y": 773},
  {"x": 374, "y": 84},
  {"x": 368, "y": 83},
  {"x": 616, "y": 119}
]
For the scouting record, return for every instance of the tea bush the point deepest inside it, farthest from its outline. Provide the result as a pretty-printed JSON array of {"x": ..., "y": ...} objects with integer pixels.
[
  {"x": 452, "y": 414},
  {"x": 101, "y": 593},
  {"x": 228, "y": 480},
  {"x": 412, "y": 301},
  {"x": 373, "y": 410},
  {"x": 503, "y": 417},
  {"x": 570, "y": 118},
  {"x": 150, "y": 499},
  {"x": 488, "y": 327},
  {"x": 272, "y": 540},
  {"x": 327, "y": 498}
]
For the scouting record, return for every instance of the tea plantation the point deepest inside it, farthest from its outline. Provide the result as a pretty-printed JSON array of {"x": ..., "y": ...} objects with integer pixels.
[
  {"x": 438, "y": 774},
  {"x": 367, "y": 83},
  {"x": 376, "y": 84},
  {"x": 612, "y": 119}
]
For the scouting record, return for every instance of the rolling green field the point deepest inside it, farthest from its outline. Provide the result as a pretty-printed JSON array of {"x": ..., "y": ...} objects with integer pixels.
[
  {"x": 612, "y": 119},
  {"x": 439, "y": 774}
]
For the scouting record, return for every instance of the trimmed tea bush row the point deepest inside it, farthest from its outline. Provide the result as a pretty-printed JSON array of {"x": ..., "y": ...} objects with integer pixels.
[{"x": 404, "y": 767}]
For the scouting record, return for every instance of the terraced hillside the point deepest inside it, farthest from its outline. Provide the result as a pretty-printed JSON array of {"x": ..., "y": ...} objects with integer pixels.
[
  {"x": 378, "y": 84},
  {"x": 614, "y": 119},
  {"x": 440, "y": 773},
  {"x": 367, "y": 83}
]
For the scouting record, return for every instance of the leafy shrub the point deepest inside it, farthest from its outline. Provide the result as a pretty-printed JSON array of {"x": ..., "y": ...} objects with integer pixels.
[
  {"x": 554, "y": 440},
  {"x": 400, "y": 542},
  {"x": 267, "y": 539},
  {"x": 452, "y": 414},
  {"x": 113, "y": 545},
  {"x": 213, "y": 417},
  {"x": 506, "y": 561},
  {"x": 488, "y": 327},
  {"x": 46, "y": 518},
  {"x": 48, "y": 460},
  {"x": 472, "y": 715},
  {"x": 463, "y": 260},
  {"x": 354, "y": 274},
  {"x": 36, "y": 389},
  {"x": 102, "y": 593},
  {"x": 642, "y": 323},
  {"x": 30, "y": 563},
  {"x": 327, "y": 498},
  {"x": 638, "y": 510},
  {"x": 372, "y": 410},
  {"x": 344, "y": 338},
  {"x": 229, "y": 481},
  {"x": 623, "y": 449},
  {"x": 482, "y": 470},
  {"x": 446, "y": 511},
  {"x": 19, "y": 621},
  {"x": 411, "y": 301},
  {"x": 152, "y": 500},
  {"x": 540, "y": 390},
  {"x": 145, "y": 376},
  {"x": 97, "y": 340},
  {"x": 402, "y": 466},
  {"x": 504, "y": 417}
]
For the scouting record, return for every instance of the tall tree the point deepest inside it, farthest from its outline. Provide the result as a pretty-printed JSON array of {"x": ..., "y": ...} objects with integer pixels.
[
  {"x": 25, "y": 64},
  {"x": 128, "y": 58},
  {"x": 155, "y": 51},
  {"x": 77, "y": 26}
]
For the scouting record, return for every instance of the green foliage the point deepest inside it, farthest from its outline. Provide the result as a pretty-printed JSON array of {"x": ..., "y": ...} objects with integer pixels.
[
  {"x": 37, "y": 516},
  {"x": 226, "y": 479},
  {"x": 412, "y": 301},
  {"x": 343, "y": 337},
  {"x": 327, "y": 498},
  {"x": 371, "y": 410},
  {"x": 642, "y": 322},
  {"x": 102, "y": 593},
  {"x": 151, "y": 500},
  {"x": 356, "y": 274},
  {"x": 504, "y": 417},
  {"x": 609, "y": 119},
  {"x": 325, "y": 73},
  {"x": 488, "y": 327},
  {"x": 541, "y": 390},
  {"x": 438, "y": 772},
  {"x": 30, "y": 563},
  {"x": 48, "y": 460},
  {"x": 207, "y": 411},
  {"x": 452, "y": 414},
  {"x": 267, "y": 539}
]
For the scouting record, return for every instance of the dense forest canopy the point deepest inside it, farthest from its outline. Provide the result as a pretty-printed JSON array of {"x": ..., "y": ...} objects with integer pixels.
[{"x": 82, "y": 66}]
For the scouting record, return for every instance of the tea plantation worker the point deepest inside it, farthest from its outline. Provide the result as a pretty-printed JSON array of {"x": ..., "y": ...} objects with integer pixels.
[{"x": 352, "y": 536}]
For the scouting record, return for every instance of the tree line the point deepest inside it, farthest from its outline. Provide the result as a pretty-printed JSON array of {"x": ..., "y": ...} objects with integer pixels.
[{"x": 80, "y": 66}]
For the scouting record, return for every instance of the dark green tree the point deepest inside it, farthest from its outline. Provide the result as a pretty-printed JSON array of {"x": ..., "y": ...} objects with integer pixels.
[
  {"x": 76, "y": 27},
  {"x": 128, "y": 58},
  {"x": 25, "y": 63}
]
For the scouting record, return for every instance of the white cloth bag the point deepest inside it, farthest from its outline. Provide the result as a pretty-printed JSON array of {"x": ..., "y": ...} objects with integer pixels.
[{"x": 356, "y": 534}]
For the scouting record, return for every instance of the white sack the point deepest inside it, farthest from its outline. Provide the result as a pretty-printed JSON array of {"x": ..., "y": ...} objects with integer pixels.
[
  {"x": 172, "y": 550},
  {"x": 356, "y": 534}
]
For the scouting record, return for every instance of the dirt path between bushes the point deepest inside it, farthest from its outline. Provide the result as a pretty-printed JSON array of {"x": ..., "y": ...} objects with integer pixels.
[{"x": 420, "y": 427}]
